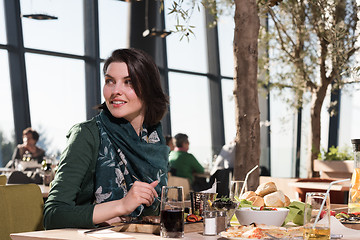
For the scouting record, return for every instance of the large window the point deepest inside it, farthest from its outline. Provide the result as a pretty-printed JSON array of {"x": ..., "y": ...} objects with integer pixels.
[
  {"x": 6, "y": 119},
  {"x": 227, "y": 87},
  {"x": 2, "y": 23},
  {"x": 66, "y": 34},
  {"x": 190, "y": 113},
  {"x": 113, "y": 13},
  {"x": 349, "y": 115},
  {"x": 57, "y": 97},
  {"x": 226, "y": 28},
  {"x": 187, "y": 55},
  {"x": 282, "y": 138}
]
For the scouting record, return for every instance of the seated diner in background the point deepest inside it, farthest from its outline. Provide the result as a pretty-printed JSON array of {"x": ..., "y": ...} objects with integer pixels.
[
  {"x": 170, "y": 142},
  {"x": 182, "y": 163},
  {"x": 116, "y": 163},
  {"x": 28, "y": 150}
]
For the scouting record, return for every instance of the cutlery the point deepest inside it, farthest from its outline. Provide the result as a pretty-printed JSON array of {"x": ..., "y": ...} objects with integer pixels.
[{"x": 99, "y": 229}]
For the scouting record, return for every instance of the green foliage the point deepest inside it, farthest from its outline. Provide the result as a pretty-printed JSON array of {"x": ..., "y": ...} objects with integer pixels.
[
  {"x": 313, "y": 42},
  {"x": 336, "y": 154},
  {"x": 183, "y": 11}
]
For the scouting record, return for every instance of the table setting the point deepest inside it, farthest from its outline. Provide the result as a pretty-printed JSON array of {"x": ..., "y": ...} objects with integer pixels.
[{"x": 265, "y": 213}]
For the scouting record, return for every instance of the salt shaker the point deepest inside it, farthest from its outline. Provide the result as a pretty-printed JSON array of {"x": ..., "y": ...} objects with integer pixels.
[{"x": 210, "y": 223}]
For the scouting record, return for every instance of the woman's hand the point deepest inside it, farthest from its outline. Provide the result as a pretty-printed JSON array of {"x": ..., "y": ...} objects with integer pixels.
[{"x": 140, "y": 193}]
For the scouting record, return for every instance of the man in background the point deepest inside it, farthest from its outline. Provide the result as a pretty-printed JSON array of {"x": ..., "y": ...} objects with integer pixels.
[{"x": 182, "y": 163}]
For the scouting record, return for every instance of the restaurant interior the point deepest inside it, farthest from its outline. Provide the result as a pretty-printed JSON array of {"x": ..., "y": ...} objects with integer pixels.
[{"x": 51, "y": 57}]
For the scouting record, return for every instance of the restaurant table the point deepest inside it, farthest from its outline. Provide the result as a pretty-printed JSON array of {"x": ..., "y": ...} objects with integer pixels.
[
  {"x": 44, "y": 190},
  {"x": 67, "y": 234},
  {"x": 5, "y": 170},
  {"x": 322, "y": 185}
]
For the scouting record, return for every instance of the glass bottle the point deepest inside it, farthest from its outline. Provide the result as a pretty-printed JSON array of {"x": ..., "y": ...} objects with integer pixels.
[
  {"x": 47, "y": 172},
  {"x": 354, "y": 193}
]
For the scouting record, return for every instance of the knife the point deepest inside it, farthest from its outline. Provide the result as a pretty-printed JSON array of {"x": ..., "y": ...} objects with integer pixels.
[{"x": 99, "y": 229}]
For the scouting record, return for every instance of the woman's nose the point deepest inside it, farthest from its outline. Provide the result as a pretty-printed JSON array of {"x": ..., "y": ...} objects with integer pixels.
[{"x": 118, "y": 88}]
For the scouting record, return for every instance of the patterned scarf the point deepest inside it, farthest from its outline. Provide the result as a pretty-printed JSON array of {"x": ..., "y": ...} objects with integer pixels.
[{"x": 124, "y": 157}]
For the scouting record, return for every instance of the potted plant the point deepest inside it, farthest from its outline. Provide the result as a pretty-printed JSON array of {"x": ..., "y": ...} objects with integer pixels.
[{"x": 335, "y": 163}]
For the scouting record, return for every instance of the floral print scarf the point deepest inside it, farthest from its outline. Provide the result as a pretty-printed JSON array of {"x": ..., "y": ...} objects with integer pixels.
[{"x": 124, "y": 157}]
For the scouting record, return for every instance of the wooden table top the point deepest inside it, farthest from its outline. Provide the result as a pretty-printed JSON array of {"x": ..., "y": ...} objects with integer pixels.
[
  {"x": 67, "y": 234},
  {"x": 44, "y": 190},
  {"x": 345, "y": 186}
]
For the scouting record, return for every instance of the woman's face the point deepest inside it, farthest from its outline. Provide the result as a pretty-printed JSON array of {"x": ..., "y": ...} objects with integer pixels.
[
  {"x": 29, "y": 140},
  {"x": 120, "y": 96}
]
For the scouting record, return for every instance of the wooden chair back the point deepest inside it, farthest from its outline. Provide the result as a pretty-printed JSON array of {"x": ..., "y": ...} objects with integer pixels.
[
  {"x": 3, "y": 180},
  {"x": 180, "y": 181}
]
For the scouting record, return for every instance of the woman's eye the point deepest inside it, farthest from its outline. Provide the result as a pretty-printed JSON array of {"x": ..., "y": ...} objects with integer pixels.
[
  {"x": 128, "y": 82},
  {"x": 108, "y": 80}
]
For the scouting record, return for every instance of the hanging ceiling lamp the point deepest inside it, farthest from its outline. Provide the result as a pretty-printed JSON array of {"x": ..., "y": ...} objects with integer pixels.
[
  {"x": 40, "y": 16},
  {"x": 152, "y": 32}
]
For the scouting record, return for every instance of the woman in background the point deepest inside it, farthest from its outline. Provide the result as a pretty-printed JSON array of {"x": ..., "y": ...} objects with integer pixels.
[
  {"x": 116, "y": 163},
  {"x": 30, "y": 138}
]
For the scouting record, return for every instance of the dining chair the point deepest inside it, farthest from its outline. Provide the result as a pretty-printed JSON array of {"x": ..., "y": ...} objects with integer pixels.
[
  {"x": 21, "y": 209},
  {"x": 3, "y": 180},
  {"x": 180, "y": 181}
]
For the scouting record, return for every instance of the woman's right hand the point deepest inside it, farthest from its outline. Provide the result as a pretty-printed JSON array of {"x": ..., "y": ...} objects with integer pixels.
[{"x": 139, "y": 193}]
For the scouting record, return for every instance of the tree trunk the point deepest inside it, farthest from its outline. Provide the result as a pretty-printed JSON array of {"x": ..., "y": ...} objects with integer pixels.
[
  {"x": 315, "y": 134},
  {"x": 247, "y": 24}
]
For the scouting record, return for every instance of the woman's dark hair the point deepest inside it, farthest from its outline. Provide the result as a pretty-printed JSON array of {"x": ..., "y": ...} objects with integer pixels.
[
  {"x": 168, "y": 139},
  {"x": 145, "y": 78},
  {"x": 33, "y": 133}
]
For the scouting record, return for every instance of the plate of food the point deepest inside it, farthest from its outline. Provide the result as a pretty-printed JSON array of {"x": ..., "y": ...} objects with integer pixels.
[
  {"x": 348, "y": 218},
  {"x": 261, "y": 231}
]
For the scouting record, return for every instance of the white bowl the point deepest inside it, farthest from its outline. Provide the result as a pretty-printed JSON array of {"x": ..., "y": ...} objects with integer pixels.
[{"x": 246, "y": 216}]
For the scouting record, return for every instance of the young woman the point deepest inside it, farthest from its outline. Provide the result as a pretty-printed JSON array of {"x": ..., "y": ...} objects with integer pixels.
[{"x": 116, "y": 163}]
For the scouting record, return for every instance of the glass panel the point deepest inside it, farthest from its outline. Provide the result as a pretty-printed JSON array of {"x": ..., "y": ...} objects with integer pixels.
[
  {"x": 227, "y": 87},
  {"x": 184, "y": 54},
  {"x": 102, "y": 81},
  {"x": 57, "y": 97},
  {"x": 2, "y": 24},
  {"x": 282, "y": 144},
  {"x": 66, "y": 34},
  {"x": 190, "y": 113},
  {"x": 306, "y": 128},
  {"x": 7, "y": 135},
  {"x": 349, "y": 115},
  {"x": 113, "y": 13},
  {"x": 226, "y": 28}
]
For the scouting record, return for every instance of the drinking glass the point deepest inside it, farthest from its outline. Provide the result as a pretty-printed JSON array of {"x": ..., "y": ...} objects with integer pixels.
[
  {"x": 172, "y": 212},
  {"x": 235, "y": 189},
  {"x": 317, "y": 226}
]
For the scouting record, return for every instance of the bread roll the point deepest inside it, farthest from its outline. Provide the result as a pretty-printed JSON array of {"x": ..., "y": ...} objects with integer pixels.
[
  {"x": 257, "y": 201},
  {"x": 287, "y": 201},
  {"x": 248, "y": 195},
  {"x": 275, "y": 199},
  {"x": 266, "y": 188}
]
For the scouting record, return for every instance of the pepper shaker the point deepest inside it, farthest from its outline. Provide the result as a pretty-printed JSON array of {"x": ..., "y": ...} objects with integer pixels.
[{"x": 221, "y": 221}]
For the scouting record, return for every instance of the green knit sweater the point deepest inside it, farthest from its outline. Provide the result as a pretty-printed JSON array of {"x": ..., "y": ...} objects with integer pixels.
[{"x": 70, "y": 201}]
